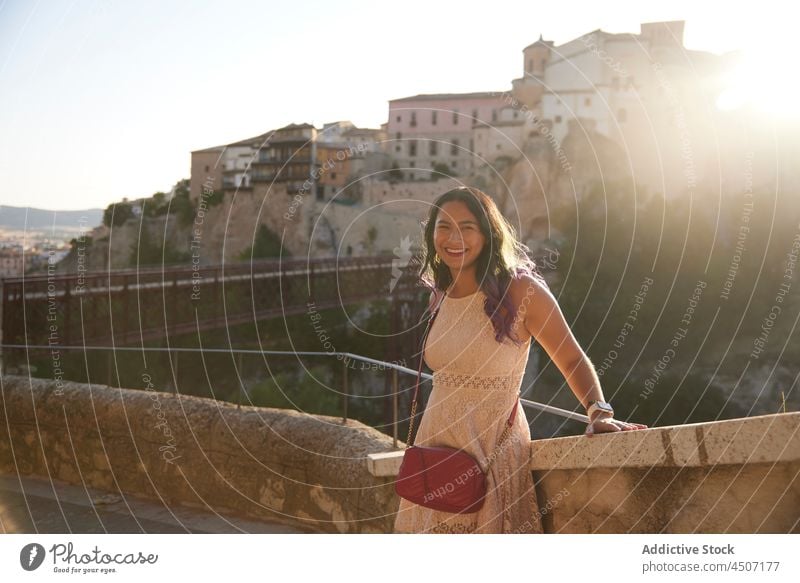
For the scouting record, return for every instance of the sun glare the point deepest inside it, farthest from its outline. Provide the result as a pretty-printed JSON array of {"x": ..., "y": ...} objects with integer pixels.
[{"x": 765, "y": 81}]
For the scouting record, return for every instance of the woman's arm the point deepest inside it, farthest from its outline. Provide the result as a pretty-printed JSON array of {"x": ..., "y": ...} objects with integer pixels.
[{"x": 546, "y": 323}]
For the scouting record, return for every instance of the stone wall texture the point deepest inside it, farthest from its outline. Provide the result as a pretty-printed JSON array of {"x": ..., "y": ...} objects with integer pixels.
[{"x": 271, "y": 463}]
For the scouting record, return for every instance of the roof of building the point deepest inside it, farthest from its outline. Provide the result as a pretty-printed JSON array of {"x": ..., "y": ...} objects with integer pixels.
[
  {"x": 255, "y": 140},
  {"x": 541, "y": 41},
  {"x": 608, "y": 35},
  {"x": 295, "y": 126},
  {"x": 209, "y": 150},
  {"x": 345, "y": 123},
  {"x": 476, "y": 95},
  {"x": 360, "y": 132}
]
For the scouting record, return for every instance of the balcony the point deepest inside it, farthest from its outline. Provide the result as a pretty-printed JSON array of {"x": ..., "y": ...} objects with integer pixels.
[
  {"x": 228, "y": 183},
  {"x": 264, "y": 176},
  {"x": 279, "y": 161}
]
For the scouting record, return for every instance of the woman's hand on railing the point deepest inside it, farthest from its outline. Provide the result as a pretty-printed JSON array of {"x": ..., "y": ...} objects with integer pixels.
[{"x": 607, "y": 424}]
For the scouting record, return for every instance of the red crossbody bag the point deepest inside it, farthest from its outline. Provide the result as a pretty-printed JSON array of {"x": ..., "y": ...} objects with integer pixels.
[{"x": 443, "y": 478}]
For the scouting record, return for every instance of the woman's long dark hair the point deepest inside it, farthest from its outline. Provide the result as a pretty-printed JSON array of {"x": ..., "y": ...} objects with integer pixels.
[{"x": 502, "y": 259}]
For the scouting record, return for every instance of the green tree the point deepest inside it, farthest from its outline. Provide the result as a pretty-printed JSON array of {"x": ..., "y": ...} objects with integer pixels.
[
  {"x": 75, "y": 243},
  {"x": 308, "y": 391},
  {"x": 182, "y": 187},
  {"x": 157, "y": 205},
  {"x": 440, "y": 170},
  {"x": 395, "y": 174},
  {"x": 118, "y": 213},
  {"x": 152, "y": 251},
  {"x": 372, "y": 236},
  {"x": 183, "y": 207},
  {"x": 265, "y": 244}
]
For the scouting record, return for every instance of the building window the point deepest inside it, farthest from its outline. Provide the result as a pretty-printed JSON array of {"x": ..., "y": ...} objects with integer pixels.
[
  {"x": 399, "y": 135},
  {"x": 471, "y": 145},
  {"x": 399, "y": 118},
  {"x": 494, "y": 115},
  {"x": 454, "y": 148},
  {"x": 530, "y": 65},
  {"x": 412, "y": 148},
  {"x": 433, "y": 148},
  {"x": 587, "y": 101},
  {"x": 433, "y": 117},
  {"x": 453, "y": 164},
  {"x": 474, "y": 116},
  {"x": 397, "y": 148},
  {"x": 455, "y": 117},
  {"x": 207, "y": 167},
  {"x": 333, "y": 175},
  {"x": 558, "y": 119},
  {"x": 622, "y": 116},
  {"x": 413, "y": 123},
  {"x": 498, "y": 146}
]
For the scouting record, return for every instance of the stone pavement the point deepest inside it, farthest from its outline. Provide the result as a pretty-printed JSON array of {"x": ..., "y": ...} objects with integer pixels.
[{"x": 32, "y": 504}]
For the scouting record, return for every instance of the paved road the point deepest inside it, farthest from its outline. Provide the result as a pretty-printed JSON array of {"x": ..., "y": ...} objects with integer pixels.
[{"x": 38, "y": 505}]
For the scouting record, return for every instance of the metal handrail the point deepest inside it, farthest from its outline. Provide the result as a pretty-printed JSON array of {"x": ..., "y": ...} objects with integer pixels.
[
  {"x": 397, "y": 368},
  {"x": 278, "y": 264}
]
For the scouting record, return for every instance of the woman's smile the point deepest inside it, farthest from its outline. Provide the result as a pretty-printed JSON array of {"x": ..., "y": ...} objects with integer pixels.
[{"x": 456, "y": 251}]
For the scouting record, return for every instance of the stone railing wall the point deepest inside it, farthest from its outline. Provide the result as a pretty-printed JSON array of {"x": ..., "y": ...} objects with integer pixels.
[
  {"x": 732, "y": 476},
  {"x": 275, "y": 464}
]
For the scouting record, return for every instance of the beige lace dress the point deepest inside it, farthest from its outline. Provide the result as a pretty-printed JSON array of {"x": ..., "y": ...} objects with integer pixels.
[{"x": 476, "y": 381}]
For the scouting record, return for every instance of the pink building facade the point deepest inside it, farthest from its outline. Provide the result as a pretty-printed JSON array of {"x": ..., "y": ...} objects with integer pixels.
[{"x": 427, "y": 131}]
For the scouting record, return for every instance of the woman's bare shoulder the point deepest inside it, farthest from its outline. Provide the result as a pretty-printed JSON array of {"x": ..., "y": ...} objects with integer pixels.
[
  {"x": 521, "y": 290},
  {"x": 526, "y": 286}
]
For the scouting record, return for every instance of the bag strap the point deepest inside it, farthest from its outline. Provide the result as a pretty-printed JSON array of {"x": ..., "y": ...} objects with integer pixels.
[
  {"x": 431, "y": 318},
  {"x": 409, "y": 440}
]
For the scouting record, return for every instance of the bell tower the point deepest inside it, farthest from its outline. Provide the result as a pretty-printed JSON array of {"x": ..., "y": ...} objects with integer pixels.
[{"x": 529, "y": 88}]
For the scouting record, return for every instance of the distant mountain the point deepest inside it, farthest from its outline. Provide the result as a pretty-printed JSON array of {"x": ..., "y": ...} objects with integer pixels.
[{"x": 14, "y": 217}]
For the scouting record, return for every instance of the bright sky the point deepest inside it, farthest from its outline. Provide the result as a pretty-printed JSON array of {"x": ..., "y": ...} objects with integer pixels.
[{"x": 101, "y": 100}]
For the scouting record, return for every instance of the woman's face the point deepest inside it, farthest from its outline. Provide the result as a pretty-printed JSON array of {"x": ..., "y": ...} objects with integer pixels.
[{"x": 457, "y": 236}]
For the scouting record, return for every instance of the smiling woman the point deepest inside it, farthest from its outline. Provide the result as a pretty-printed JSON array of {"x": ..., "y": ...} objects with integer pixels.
[{"x": 491, "y": 302}]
